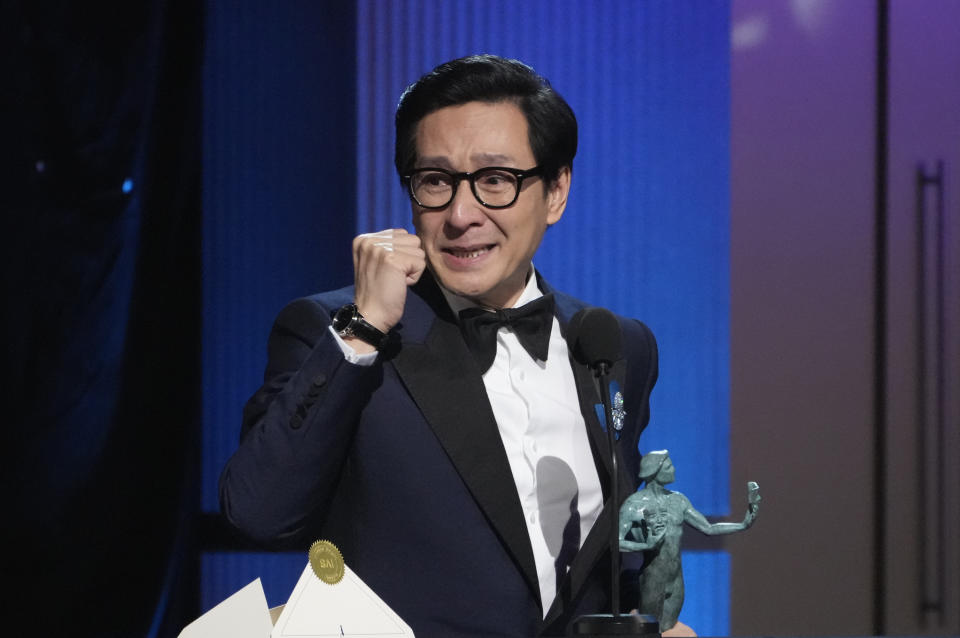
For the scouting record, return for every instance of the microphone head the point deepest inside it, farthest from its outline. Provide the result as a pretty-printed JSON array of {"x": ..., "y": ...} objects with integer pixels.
[{"x": 596, "y": 337}]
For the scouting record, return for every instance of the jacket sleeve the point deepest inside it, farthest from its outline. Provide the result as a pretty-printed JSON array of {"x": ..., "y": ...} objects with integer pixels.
[{"x": 296, "y": 430}]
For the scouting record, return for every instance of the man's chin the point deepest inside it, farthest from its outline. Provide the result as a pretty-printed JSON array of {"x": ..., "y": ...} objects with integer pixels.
[
  {"x": 485, "y": 297},
  {"x": 459, "y": 285},
  {"x": 477, "y": 288},
  {"x": 473, "y": 294}
]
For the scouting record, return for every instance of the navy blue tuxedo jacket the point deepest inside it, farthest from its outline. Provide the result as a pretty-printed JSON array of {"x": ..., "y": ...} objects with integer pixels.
[{"x": 401, "y": 465}]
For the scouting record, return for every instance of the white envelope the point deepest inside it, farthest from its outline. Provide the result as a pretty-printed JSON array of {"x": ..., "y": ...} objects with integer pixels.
[
  {"x": 243, "y": 615},
  {"x": 349, "y": 608}
]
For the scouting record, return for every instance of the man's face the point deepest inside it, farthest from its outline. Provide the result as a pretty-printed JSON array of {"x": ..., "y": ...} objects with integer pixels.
[{"x": 474, "y": 251}]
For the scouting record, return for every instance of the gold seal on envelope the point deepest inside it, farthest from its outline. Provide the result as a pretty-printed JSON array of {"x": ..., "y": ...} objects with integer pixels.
[{"x": 327, "y": 562}]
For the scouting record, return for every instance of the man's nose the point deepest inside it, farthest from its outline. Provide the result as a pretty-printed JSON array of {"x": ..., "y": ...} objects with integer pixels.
[{"x": 464, "y": 209}]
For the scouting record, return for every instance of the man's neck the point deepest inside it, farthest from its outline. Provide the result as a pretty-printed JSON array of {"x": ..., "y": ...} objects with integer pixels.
[{"x": 457, "y": 302}]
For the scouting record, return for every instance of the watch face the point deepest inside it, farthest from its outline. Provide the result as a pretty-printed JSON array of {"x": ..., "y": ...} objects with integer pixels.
[{"x": 344, "y": 317}]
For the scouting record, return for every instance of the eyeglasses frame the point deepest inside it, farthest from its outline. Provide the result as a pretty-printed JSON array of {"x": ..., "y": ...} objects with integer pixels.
[{"x": 471, "y": 178}]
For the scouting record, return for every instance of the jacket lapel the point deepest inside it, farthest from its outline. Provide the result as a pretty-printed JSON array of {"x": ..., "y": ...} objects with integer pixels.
[
  {"x": 444, "y": 380},
  {"x": 597, "y": 543},
  {"x": 588, "y": 392}
]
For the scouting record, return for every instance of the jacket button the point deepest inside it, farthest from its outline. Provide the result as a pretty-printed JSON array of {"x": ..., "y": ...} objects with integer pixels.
[
  {"x": 319, "y": 381},
  {"x": 296, "y": 421}
]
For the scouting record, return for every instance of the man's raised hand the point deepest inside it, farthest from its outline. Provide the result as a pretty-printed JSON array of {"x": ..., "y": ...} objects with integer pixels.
[{"x": 384, "y": 264}]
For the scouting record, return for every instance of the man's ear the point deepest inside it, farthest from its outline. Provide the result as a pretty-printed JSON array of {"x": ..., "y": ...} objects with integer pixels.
[{"x": 557, "y": 194}]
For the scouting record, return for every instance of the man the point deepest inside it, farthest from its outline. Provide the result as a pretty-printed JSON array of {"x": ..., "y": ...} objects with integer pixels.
[{"x": 458, "y": 464}]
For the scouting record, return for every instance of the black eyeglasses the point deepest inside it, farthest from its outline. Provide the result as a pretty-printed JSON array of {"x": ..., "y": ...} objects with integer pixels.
[{"x": 494, "y": 186}]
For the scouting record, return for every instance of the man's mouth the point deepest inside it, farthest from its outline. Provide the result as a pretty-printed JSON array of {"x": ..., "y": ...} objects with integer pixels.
[{"x": 471, "y": 252}]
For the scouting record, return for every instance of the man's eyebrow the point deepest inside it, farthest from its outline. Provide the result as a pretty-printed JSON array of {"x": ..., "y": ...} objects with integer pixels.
[
  {"x": 491, "y": 159},
  {"x": 437, "y": 161},
  {"x": 479, "y": 160}
]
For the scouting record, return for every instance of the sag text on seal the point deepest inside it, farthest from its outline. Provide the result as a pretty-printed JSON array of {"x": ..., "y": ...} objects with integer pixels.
[{"x": 326, "y": 561}]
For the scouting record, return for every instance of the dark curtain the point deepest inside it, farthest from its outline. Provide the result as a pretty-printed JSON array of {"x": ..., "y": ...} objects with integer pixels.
[{"x": 100, "y": 201}]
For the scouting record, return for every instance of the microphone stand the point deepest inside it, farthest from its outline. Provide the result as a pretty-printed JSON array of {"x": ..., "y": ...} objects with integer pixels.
[{"x": 614, "y": 624}]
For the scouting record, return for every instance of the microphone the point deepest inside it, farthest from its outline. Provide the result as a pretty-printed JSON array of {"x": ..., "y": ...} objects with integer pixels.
[{"x": 598, "y": 342}]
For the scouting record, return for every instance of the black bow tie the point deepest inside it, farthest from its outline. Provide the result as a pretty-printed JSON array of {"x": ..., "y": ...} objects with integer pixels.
[{"x": 531, "y": 323}]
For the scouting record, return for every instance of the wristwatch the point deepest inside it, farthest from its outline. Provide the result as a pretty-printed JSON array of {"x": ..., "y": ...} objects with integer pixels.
[{"x": 348, "y": 322}]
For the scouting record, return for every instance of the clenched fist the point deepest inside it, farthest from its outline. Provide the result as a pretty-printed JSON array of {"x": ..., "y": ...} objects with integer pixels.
[{"x": 384, "y": 264}]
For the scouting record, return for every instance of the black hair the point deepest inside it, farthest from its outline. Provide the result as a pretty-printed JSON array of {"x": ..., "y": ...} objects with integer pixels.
[{"x": 551, "y": 123}]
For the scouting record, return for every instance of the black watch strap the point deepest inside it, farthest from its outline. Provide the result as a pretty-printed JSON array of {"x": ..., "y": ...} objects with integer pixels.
[{"x": 348, "y": 322}]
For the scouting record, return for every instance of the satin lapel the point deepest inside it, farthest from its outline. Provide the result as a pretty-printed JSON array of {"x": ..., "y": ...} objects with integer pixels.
[
  {"x": 445, "y": 382},
  {"x": 588, "y": 391},
  {"x": 589, "y": 396},
  {"x": 597, "y": 542}
]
